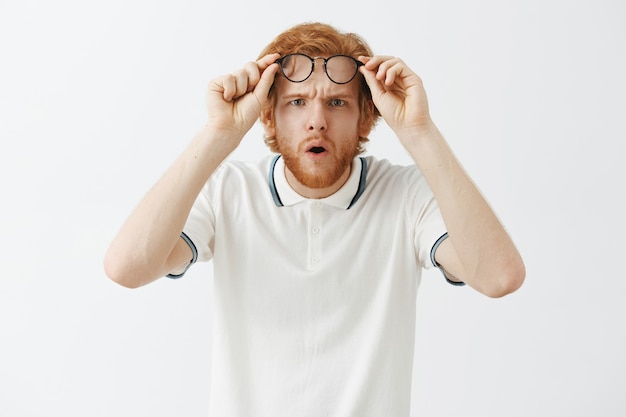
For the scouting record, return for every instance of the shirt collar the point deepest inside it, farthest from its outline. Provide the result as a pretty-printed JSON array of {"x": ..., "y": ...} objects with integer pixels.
[{"x": 343, "y": 198}]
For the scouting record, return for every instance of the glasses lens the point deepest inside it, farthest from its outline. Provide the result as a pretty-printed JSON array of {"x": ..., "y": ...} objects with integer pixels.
[
  {"x": 341, "y": 69},
  {"x": 296, "y": 67}
]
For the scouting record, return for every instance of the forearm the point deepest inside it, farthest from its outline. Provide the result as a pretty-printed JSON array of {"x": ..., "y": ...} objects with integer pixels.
[
  {"x": 486, "y": 257},
  {"x": 141, "y": 250}
]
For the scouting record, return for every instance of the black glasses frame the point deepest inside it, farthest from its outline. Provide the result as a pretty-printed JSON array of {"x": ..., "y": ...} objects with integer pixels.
[{"x": 280, "y": 61}]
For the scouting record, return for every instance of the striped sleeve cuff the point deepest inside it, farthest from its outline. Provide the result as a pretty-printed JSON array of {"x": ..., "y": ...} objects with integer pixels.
[
  {"x": 194, "y": 251},
  {"x": 436, "y": 264}
]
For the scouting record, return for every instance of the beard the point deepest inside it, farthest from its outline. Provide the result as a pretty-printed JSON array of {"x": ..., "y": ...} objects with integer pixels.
[{"x": 322, "y": 173}]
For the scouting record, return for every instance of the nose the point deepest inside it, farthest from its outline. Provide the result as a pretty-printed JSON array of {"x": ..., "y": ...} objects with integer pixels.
[{"x": 317, "y": 119}]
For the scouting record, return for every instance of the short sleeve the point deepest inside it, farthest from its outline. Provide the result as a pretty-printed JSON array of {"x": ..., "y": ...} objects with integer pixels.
[
  {"x": 199, "y": 229},
  {"x": 436, "y": 264},
  {"x": 430, "y": 229},
  {"x": 194, "y": 258}
]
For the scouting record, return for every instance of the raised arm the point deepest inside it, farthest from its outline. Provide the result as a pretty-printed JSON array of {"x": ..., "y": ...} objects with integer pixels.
[
  {"x": 148, "y": 246},
  {"x": 478, "y": 250}
]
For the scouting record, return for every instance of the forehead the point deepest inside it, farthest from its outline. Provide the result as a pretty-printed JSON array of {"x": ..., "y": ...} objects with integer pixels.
[{"x": 317, "y": 84}]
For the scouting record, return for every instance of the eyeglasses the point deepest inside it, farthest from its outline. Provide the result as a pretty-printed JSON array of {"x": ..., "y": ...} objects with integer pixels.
[{"x": 340, "y": 69}]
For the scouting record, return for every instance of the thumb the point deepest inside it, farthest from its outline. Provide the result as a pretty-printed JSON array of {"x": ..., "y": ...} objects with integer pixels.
[
  {"x": 375, "y": 85},
  {"x": 264, "y": 85}
]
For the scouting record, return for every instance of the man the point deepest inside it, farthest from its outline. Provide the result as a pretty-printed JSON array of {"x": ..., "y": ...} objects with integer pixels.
[{"x": 317, "y": 252}]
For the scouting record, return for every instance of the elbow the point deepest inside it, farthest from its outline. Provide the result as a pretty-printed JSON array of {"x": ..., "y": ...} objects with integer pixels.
[
  {"x": 507, "y": 279},
  {"x": 121, "y": 272},
  {"x": 117, "y": 274}
]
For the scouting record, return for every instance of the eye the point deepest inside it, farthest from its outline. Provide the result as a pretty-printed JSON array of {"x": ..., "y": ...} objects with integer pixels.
[
  {"x": 297, "y": 102},
  {"x": 336, "y": 102}
]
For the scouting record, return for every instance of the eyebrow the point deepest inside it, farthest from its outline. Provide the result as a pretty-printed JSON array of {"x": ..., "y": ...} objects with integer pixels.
[{"x": 344, "y": 95}]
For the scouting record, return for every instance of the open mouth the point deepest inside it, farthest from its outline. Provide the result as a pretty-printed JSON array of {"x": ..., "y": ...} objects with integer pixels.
[{"x": 317, "y": 149}]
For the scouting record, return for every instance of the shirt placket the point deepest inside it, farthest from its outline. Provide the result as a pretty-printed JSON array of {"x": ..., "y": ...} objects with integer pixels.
[{"x": 314, "y": 232}]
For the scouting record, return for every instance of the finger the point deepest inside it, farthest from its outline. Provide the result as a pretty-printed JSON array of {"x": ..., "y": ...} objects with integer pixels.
[
  {"x": 247, "y": 78},
  {"x": 266, "y": 61},
  {"x": 224, "y": 85},
  {"x": 370, "y": 78},
  {"x": 373, "y": 62},
  {"x": 387, "y": 68},
  {"x": 267, "y": 64},
  {"x": 262, "y": 89}
]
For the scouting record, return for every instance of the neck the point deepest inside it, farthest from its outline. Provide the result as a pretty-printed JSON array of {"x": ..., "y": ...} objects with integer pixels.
[{"x": 316, "y": 193}]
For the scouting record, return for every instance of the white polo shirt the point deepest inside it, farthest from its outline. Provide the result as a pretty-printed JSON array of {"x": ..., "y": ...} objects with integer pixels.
[{"x": 314, "y": 300}]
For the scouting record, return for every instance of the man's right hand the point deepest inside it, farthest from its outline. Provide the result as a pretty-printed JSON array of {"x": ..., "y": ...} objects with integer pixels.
[
  {"x": 234, "y": 101},
  {"x": 149, "y": 245}
]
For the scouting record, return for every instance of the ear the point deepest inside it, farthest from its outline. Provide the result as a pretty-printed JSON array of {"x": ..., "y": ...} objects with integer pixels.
[
  {"x": 267, "y": 119},
  {"x": 366, "y": 122}
]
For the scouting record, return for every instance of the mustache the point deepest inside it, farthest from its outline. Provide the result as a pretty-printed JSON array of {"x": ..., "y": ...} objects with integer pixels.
[{"x": 317, "y": 142}]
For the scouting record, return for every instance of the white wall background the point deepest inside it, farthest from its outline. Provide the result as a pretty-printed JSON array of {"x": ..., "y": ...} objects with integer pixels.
[{"x": 97, "y": 98}]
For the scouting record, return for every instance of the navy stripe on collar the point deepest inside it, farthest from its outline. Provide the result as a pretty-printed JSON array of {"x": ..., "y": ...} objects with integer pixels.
[
  {"x": 273, "y": 190},
  {"x": 362, "y": 182},
  {"x": 276, "y": 196}
]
